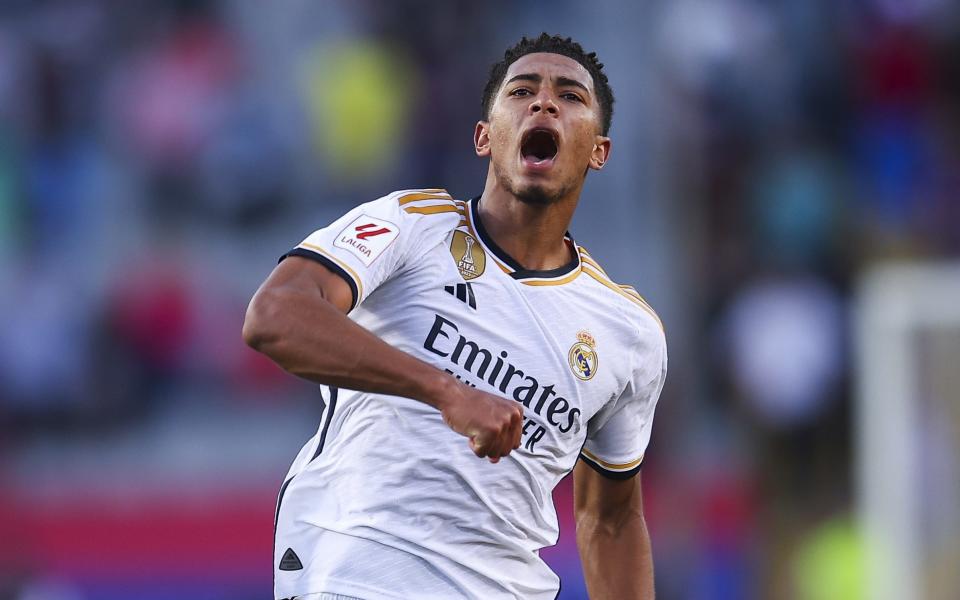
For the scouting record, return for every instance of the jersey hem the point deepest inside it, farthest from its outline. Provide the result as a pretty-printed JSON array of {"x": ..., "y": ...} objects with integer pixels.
[
  {"x": 333, "y": 585},
  {"x": 322, "y": 581}
]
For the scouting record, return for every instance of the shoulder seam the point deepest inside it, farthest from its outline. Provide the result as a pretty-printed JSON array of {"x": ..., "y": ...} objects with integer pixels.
[{"x": 601, "y": 277}]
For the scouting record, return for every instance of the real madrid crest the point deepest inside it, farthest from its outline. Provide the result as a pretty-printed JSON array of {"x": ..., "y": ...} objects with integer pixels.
[
  {"x": 471, "y": 260},
  {"x": 583, "y": 357}
]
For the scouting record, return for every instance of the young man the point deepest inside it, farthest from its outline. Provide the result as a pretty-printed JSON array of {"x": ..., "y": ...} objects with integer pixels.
[{"x": 477, "y": 319}]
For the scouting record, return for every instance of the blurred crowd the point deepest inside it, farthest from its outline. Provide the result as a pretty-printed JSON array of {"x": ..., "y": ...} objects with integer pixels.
[
  {"x": 811, "y": 140},
  {"x": 156, "y": 157}
]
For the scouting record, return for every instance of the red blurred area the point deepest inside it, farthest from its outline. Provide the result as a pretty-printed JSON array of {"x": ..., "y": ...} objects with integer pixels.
[{"x": 230, "y": 534}]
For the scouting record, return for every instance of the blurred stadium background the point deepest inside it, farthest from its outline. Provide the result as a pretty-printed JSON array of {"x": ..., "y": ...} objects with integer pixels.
[{"x": 785, "y": 189}]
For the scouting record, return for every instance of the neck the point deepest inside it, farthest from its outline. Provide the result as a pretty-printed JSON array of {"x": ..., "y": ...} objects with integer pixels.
[{"x": 533, "y": 235}]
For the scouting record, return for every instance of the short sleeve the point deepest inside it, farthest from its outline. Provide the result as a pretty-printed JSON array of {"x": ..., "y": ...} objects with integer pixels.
[
  {"x": 617, "y": 436},
  {"x": 371, "y": 242}
]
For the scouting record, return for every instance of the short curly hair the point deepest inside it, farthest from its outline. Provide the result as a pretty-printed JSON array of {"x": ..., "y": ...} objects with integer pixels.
[{"x": 553, "y": 44}]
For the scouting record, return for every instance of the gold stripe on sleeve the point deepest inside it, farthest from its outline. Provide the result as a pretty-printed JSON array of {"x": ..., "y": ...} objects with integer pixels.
[
  {"x": 432, "y": 210},
  {"x": 590, "y": 271},
  {"x": 630, "y": 290},
  {"x": 636, "y": 295},
  {"x": 611, "y": 466},
  {"x": 423, "y": 196},
  {"x": 342, "y": 265},
  {"x": 586, "y": 258}
]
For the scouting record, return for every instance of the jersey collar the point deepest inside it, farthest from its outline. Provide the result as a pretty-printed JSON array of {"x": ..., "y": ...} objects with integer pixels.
[{"x": 557, "y": 276}]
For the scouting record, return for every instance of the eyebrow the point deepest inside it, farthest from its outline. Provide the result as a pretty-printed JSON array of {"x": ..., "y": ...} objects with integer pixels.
[{"x": 536, "y": 78}]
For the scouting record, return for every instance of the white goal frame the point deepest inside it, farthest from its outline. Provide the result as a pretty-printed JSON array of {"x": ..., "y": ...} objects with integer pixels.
[{"x": 893, "y": 304}]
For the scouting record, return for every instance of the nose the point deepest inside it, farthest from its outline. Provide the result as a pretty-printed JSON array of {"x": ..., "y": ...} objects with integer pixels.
[{"x": 544, "y": 103}]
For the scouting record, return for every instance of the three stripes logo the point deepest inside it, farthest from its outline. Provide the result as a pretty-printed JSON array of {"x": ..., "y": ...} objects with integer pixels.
[{"x": 462, "y": 292}]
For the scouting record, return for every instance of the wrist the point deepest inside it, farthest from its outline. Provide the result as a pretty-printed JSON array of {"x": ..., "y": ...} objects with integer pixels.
[{"x": 440, "y": 390}]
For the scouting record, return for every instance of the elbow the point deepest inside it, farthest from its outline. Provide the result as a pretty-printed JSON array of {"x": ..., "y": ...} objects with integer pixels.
[
  {"x": 258, "y": 325},
  {"x": 252, "y": 332}
]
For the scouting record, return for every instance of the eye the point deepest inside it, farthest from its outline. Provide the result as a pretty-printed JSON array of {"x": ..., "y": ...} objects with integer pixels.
[
  {"x": 571, "y": 96},
  {"x": 520, "y": 92}
]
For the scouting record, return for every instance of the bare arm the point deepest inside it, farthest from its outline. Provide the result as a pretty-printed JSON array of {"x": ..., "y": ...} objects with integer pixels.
[
  {"x": 298, "y": 319},
  {"x": 612, "y": 536}
]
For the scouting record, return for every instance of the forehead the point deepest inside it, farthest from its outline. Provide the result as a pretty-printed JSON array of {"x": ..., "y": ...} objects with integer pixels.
[{"x": 549, "y": 66}]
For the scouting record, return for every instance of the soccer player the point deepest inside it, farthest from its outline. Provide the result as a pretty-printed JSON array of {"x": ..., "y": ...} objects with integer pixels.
[{"x": 470, "y": 352}]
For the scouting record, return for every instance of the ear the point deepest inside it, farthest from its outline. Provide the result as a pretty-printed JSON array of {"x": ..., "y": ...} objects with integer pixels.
[
  {"x": 600, "y": 153},
  {"x": 481, "y": 138}
]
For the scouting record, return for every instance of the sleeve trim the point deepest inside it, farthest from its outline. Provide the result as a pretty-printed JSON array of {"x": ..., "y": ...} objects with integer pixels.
[
  {"x": 345, "y": 272},
  {"x": 339, "y": 263},
  {"x": 611, "y": 470}
]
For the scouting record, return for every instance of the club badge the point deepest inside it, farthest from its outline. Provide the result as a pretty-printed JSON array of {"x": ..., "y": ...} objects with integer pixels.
[{"x": 583, "y": 357}]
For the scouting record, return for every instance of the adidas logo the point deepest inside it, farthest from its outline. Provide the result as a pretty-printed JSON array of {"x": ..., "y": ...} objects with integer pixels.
[
  {"x": 290, "y": 561},
  {"x": 462, "y": 292}
]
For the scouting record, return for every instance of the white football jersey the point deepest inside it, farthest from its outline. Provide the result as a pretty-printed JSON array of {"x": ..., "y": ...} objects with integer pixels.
[{"x": 386, "y": 501}]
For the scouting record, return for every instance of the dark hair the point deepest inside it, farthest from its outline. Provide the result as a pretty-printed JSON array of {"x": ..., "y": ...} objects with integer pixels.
[{"x": 553, "y": 44}]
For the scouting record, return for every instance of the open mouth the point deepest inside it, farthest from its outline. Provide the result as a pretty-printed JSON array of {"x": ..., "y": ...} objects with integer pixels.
[{"x": 539, "y": 147}]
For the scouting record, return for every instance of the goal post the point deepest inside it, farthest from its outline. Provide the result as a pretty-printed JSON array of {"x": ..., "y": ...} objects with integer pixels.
[{"x": 907, "y": 429}]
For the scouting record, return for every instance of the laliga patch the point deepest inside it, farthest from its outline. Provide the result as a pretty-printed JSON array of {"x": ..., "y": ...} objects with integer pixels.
[{"x": 367, "y": 238}]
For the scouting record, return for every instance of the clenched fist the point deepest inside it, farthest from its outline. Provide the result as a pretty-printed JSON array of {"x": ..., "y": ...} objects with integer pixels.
[{"x": 493, "y": 424}]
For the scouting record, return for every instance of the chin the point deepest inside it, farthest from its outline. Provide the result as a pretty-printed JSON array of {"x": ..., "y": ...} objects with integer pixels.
[
  {"x": 535, "y": 190},
  {"x": 537, "y": 195}
]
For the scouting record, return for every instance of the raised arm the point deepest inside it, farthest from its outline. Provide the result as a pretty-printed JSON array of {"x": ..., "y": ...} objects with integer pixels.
[
  {"x": 612, "y": 536},
  {"x": 298, "y": 319}
]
